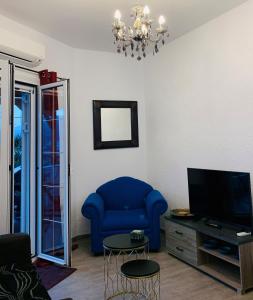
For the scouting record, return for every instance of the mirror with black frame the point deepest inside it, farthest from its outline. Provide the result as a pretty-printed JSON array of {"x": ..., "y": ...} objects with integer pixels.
[{"x": 115, "y": 124}]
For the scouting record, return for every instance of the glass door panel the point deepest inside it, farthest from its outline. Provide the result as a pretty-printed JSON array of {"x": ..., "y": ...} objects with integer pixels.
[
  {"x": 21, "y": 160},
  {"x": 53, "y": 182}
]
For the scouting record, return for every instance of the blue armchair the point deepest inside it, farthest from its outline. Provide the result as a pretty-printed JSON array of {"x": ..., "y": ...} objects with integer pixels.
[{"x": 121, "y": 205}]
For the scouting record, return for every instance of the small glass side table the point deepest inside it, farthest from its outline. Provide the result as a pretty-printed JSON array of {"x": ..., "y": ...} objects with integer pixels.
[
  {"x": 119, "y": 249},
  {"x": 142, "y": 279}
]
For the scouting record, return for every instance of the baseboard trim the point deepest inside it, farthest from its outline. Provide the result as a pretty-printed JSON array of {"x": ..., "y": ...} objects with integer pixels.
[
  {"x": 85, "y": 236},
  {"x": 80, "y": 237}
]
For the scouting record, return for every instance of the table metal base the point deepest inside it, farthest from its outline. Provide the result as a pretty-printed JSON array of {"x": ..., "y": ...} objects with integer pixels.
[
  {"x": 147, "y": 288},
  {"x": 113, "y": 260}
]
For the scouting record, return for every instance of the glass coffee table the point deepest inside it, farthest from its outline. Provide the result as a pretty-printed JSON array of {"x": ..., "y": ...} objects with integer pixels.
[{"x": 119, "y": 249}]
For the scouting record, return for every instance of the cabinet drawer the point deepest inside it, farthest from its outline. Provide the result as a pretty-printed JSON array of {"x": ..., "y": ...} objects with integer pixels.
[
  {"x": 180, "y": 250},
  {"x": 185, "y": 243},
  {"x": 180, "y": 232}
]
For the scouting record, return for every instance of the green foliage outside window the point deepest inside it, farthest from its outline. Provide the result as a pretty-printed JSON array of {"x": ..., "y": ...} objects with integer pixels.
[{"x": 17, "y": 150}]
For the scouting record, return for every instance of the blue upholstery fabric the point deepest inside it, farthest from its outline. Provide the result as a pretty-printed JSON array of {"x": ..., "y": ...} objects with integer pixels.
[
  {"x": 121, "y": 219},
  {"x": 124, "y": 193},
  {"x": 121, "y": 205},
  {"x": 93, "y": 207},
  {"x": 155, "y": 201}
]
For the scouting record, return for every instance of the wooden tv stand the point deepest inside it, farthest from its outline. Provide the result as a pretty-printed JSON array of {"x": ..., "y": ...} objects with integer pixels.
[{"x": 185, "y": 238}]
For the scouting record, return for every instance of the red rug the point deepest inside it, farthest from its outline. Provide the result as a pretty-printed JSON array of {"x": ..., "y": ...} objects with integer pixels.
[{"x": 51, "y": 274}]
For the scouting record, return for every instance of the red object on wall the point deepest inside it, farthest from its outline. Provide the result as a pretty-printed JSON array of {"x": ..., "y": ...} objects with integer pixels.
[
  {"x": 47, "y": 77},
  {"x": 52, "y": 76},
  {"x": 43, "y": 77}
]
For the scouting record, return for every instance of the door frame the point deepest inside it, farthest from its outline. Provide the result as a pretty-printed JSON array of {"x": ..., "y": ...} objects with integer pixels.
[
  {"x": 67, "y": 203},
  {"x": 6, "y": 71}
]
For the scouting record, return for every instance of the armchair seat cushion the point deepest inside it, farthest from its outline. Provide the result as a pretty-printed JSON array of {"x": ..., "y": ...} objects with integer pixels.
[{"x": 123, "y": 219}]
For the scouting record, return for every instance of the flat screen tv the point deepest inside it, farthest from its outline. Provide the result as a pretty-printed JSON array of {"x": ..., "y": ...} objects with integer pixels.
[{"x": 221, "y": 195}]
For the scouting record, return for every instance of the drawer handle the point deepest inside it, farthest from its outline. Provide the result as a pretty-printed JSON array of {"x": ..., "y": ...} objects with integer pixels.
[
  {"x": 180, "y": 249},
  {"x": 179, "y": 232}
]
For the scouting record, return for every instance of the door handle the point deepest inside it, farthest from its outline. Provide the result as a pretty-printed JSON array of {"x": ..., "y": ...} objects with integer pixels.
[
  {"x": 179, "y": 232},
  {"x": 180, "y": 249}
]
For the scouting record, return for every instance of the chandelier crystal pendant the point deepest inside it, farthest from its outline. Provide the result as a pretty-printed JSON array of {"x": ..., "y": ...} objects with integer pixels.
[{"x": 137, "y": 38}]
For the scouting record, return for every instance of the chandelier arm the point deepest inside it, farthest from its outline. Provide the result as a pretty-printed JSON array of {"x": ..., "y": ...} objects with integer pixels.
[
  {"x": 126, "y": 40},
  {"x": 159, "y": 39},
  {"x": 128, "y": 44}
]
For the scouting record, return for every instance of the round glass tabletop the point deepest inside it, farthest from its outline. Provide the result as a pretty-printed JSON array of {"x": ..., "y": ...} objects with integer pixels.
[
  {"x": 140, "y": 268},
  {"x": 123, "y": 242}
]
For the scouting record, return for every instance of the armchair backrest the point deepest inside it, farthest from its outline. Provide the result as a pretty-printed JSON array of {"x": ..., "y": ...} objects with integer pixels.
[
  {"x": 15, "y": 249},
  {"x": 124, "y": 193}
]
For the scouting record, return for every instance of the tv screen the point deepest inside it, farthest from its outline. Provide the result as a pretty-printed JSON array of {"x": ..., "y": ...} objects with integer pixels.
[{"x": 221, "y": 195}]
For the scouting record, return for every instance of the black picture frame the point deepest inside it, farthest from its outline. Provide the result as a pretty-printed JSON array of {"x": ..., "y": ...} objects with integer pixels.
[{"x": 98, "y": 143}]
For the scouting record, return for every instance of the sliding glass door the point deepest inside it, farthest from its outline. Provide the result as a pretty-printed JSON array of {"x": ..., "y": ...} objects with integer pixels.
[{"x": 53, "y": 182}]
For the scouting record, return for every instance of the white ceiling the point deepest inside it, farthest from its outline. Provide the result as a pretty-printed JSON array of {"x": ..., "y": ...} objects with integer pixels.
[{"x": 87, "y": 24}]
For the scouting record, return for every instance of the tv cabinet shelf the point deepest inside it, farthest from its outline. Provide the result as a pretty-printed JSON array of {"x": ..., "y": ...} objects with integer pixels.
[
  {"x": 228, "y": 277},
  {"x": 228, "y": 258},
  {"x": 185, "y": 240}
]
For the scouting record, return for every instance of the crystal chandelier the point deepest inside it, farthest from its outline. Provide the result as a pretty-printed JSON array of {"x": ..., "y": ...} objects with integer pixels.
[{"x": 138, "y": 37}]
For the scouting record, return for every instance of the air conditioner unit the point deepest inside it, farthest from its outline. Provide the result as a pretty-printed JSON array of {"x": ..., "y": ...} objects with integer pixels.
[{"x": 19, "y": 50}]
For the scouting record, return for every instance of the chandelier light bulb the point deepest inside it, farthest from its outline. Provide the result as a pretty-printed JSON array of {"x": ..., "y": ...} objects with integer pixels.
[
  {"x": 146, "y": 10},
  {"x": 137, "y": 24},
  {"x": 131, "y": 32},
  {"x": 120, "y": 33},
  {"x": 117, "y": 15},
  {"x": 161, "y": 21},
  {"x": 144, "y": 29}
]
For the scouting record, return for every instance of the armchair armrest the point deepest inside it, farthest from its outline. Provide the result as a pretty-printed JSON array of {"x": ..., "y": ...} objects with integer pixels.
[
  {"x": 93, "y": 207},
  {"x": 155, "y": 203}
]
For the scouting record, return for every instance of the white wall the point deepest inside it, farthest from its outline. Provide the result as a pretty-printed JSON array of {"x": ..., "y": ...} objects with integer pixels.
[
  {"x": 199, "y": 95},
  {"x": 94, "y": 76},
  {"x": 102, "y": 76}
]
